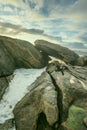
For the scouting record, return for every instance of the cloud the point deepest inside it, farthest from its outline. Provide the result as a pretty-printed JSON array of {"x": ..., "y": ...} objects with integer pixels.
[
  {"x": 83, "y": 37},
  {"x": 19, "y": 28},
  {"x": 43, "y": 9},
  {"x": 77, "y": 45},
  {"x": 57, "y": 20},
  {"x": 13, "y": 30},
  {"x": 32, "y": 31}
]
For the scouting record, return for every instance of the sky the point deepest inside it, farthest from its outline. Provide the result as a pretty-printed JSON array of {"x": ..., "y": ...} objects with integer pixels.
[{"x": 59, "y": 21}]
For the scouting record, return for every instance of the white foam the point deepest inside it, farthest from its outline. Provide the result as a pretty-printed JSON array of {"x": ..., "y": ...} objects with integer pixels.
[
  {"x": 16, "y": 90},
  {"x": 72, "y": 80}
]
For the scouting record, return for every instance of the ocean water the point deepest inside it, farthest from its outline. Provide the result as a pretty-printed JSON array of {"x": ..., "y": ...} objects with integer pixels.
[{"x": 16, "y": 91}]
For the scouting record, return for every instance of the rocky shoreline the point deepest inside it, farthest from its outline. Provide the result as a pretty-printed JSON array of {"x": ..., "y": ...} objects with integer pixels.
[{"x": 62, "y": 85}]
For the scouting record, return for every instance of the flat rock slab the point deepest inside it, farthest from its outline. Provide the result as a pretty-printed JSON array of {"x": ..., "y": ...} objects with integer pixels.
[{"x": 57, "y": 51}]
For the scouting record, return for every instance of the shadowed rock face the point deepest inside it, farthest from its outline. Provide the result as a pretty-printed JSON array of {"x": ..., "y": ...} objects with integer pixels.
[
  {"x": 3, "y": 86},
  {"x": 18, "y": 54},
  {"x": 4, "y": 82},
  {"x": 57, "y": 51},
  {"x": 82, "y": 61},
  {"x": 46, "y": 106}
]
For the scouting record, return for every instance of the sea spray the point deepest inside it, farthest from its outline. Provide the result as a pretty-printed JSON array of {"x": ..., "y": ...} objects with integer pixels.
[{"x": 16, "y": 90}]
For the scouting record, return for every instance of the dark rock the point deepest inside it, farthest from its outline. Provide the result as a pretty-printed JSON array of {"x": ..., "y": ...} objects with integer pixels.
[
  {"x": 72, "y": 84},
  {"x": 8, "y": 125},
  {"x": 16, "y": 53},
  {"x": 57, "y": 51},
  {"x": 4, "y": 82},
  {"x": 85, "y": 122},
  {"x": 63, "y": 128}
]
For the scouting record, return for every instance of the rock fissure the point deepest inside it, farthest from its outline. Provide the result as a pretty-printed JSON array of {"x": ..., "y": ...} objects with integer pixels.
[
  {"x": 59, "y": 93},
  {"x": 59, "y": 104}
]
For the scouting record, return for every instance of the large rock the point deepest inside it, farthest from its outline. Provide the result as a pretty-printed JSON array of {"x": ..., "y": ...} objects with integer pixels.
[
  {"x": 57, "y": 51},
  {"x": 38, "y": 109},
  {"x": 16, "y": 53},
  {"x": 46, "y": 106},
  {"x": 72, "y": 83}
]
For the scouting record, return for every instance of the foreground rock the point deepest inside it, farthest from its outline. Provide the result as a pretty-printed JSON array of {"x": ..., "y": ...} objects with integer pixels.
[
  {"x": 47, "y": 105},
  {"x": 57, "y": 51},
  {"x": 38, "y": 107},
  {"x": 18, "y": 54}
]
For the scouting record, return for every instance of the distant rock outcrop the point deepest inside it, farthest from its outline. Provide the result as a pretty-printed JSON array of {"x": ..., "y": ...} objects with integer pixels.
[
  {"x": 82, "y": 61},
  {"x": 46, "y": 106},
  {"x": 57, "y": 51},
  {"x": 16, "y": 53}
]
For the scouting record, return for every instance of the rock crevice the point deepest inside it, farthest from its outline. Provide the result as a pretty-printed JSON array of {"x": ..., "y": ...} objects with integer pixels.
[{"x": 47, "y": 105}]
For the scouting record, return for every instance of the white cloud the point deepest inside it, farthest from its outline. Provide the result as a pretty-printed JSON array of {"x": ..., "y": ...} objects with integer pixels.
[
  {"x": 42, "y": 14},
  {"x": 15, "y": 3},
  {"x": 6, "y": 8}
]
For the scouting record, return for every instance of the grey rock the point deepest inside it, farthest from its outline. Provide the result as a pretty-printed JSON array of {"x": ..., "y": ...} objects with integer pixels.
[
  {"x": 57, "y": 51},
  {"x": 16, "y": 53},
  {"x": 38, "y": 105}
]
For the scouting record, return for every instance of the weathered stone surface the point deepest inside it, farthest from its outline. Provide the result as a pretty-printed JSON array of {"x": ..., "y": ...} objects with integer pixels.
[
  {"x": 57, "y": 51},
  {"x": 72, "y": 83},
  {"x": 46, "y": 106},
  {"x": 16, "y": 53},
  {"x": 38, "y": 107}
]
